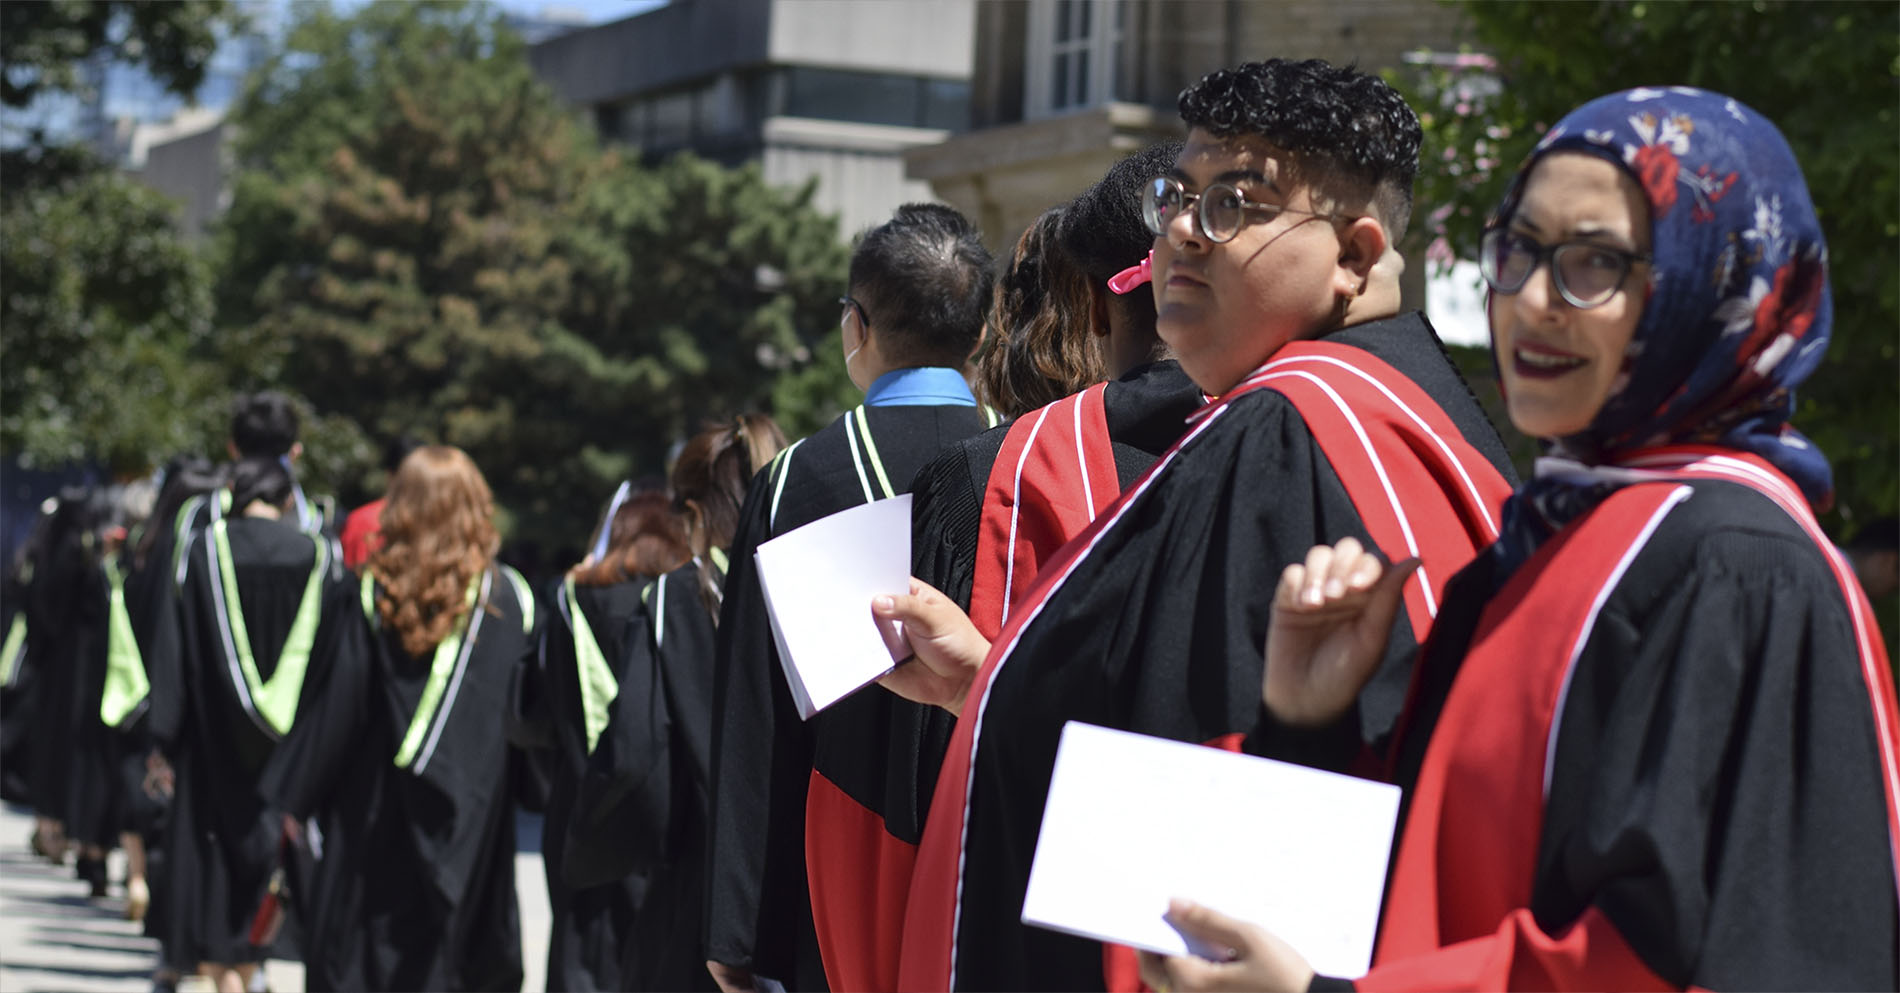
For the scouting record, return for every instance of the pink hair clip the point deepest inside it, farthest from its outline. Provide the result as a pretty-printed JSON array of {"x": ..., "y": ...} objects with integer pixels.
[{"x": 1133, "y": 276}]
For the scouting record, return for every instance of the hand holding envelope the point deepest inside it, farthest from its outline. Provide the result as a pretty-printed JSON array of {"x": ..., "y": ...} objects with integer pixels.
[{"x": 948, "y": 648}]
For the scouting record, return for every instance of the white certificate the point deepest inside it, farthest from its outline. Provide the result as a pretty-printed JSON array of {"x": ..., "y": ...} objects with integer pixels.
[
  {"x": 819, "y": 581},
  {"x": 1133, "y": 821}
]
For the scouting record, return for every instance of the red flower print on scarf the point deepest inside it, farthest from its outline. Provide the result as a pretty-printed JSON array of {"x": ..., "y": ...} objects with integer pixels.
[
  {"x": 1657, "y": 166},
  {"x": 1778, "y": 314}
]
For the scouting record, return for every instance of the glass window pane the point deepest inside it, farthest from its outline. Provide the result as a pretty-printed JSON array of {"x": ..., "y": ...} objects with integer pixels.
[
  {"x": 870, "y": 98},
  {"x": 947, "y": 104},
  {"x": 671, "y": 120},
  {"x": 1062, "y": 20},
  {"x": 1059, "y": 86},
  {"x": 1082, "y": 78},
  {"x": 1082, "y": 10}
]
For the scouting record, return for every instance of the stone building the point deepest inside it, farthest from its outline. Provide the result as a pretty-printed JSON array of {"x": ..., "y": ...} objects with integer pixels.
[
  {"x": 1060, "y": 89},
  {"x": 835, "y": 90}
]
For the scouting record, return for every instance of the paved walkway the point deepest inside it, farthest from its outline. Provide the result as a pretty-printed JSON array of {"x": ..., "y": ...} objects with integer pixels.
[{"x": 54, "y": 939}]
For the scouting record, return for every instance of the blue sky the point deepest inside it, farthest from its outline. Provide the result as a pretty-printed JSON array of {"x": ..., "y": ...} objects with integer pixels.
[{"x": 592, "y": 11}]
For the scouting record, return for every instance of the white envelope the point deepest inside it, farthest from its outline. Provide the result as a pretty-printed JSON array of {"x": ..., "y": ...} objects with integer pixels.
[
  {"x": 1133, "y": 821},
  {"x": 819, "y": 581}
]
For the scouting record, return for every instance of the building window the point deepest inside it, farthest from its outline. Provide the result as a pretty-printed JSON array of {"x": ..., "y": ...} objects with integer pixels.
[
  {"x": 876, "y": 98},
  {"x": 1074, "y": 54}
]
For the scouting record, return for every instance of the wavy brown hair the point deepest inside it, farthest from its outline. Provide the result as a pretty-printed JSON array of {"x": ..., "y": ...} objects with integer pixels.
[
  {"x": 1039, "y": 347},
  {"x": 438, "y": 528},
  {"x": 645, "y": 540},
  {"x": 712, "y": 474}
]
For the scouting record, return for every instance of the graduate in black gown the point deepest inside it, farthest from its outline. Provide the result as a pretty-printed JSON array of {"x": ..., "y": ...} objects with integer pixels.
[
  {"x": 147, "y": 781},
  {"x": 1332, "y": 412},
  {"x": 920, "y": 285},
  {"x": 580, "y": 656},
  {"x": 640, "y": 810},
  {"x": 400, "y": 755},
  {"x": 19, "y": 682},
  {"x": 264, "y": 612},
  {"x": 75, "y": 757},
  {"x": 1654, "y": 743}
]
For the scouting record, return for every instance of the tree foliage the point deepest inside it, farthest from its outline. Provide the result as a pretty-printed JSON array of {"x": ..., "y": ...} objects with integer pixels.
[
  {"x": 1828, "y": 74},
  {"x": 43, "y": 42},
  {"x": 423, "y": 240},
  {"x": 108, "y": 319}
]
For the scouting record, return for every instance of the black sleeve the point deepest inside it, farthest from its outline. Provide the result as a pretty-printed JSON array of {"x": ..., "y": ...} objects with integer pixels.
[
  {"x": 1716, "y": 785},
  {"x": 945, "y": 516},
  {"x": 1280, "y": 455},
  {"x": 156, "y": 625},
  {"x": 757, "y": 901},
  {"x": 622, "y": 804},
  {"x": 333, "y": 725},
  {"x": 538, "y": 697}
]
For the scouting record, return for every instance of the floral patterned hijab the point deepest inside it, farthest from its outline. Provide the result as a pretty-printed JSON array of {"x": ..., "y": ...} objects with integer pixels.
[{"x": 1739, "y": 310}]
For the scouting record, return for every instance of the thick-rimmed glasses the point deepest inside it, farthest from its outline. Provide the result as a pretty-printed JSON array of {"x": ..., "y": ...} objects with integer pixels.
[
  {"x": 1221, "y": 210},
  {"x": 850, "y": 305},
  {"x": 1587, "y": 274}
]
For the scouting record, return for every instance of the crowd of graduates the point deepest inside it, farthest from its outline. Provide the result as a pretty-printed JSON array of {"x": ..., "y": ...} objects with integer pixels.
[{"x": 1181, "y": 465}]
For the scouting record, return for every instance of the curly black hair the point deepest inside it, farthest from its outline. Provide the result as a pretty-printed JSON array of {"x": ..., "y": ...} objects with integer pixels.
[
  {"x": 1337, "y": 123},
  {"x": 1102, "y": 229},
  {"x": 924, "y": 279}
]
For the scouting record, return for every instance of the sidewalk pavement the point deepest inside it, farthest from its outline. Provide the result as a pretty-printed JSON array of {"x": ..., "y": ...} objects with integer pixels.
[{"x": 54, "y": 939}]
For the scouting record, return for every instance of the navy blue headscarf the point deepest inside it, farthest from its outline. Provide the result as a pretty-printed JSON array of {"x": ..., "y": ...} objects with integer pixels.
[{"x": 1738, "y": 311}]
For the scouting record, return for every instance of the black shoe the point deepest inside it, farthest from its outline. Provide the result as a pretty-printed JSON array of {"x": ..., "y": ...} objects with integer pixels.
[{"x": 92, "y": 871}]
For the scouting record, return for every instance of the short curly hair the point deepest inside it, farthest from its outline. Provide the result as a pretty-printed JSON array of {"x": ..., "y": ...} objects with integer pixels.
[{"x": 1350, "y": 134}]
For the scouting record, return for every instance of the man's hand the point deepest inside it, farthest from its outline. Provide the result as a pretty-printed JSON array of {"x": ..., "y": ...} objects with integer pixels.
[
  {"x": 1258, "y": 959},
  {"x": 949, "y": 649}
]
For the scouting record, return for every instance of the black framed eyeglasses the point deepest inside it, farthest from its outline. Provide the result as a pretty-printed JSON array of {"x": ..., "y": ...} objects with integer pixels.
[
  {"x": 1221, "y": 210},
  {"x": 1587, "y": 274},
  {"x": 850, "y": 305}
]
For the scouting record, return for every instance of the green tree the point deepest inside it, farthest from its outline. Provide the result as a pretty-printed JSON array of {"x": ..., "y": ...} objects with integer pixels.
[
  {"x": 423, "y": 240},
  {"x": 108, "y": 318},
  {"x": 43, "y": 43},
  {"x": 107, "y": 312},
  {"x": 1828, "y": 74}
]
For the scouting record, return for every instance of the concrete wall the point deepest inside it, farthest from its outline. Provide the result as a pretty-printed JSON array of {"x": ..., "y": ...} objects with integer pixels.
[
  {"x": 685, "y": 40},
  {"x": 190, "y": 169},
  {"x": 1179, "y": 42},
  {"x": 913, "y": 37},
  {"x": 859, "y": 168}
]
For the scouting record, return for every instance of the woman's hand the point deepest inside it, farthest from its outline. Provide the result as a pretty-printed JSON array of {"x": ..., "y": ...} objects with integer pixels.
[
  {"x": 949, "y": 649},
  {"x": 1259, "y": 961},
  {"x": 1332, "y": 615}
]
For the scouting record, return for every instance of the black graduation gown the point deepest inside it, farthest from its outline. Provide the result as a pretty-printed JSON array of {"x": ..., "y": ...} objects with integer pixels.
[
  {"x": 1158, "y": 629},
  {"x": 223, "y": 842},
  {"x": 588, "y": 922},
  {"x": 1707, "y": 809},
  {"x": 75, "y": 758},
  {"x": 152, "y": 606},
  {"x": 640, "y": 810},
  {"x": 873, "y": 752},
  {"x": 1146, "y": 409},
  {"x": 19, "y": 682},
  {"x": 414, "y": 886}
]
